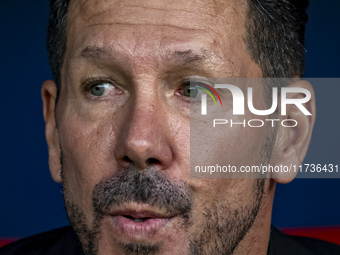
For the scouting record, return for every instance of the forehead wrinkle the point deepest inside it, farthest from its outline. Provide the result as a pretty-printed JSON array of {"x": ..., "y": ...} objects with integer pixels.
[
  {"x": 143, "y": 25},
  {"x": 231, "y": 14},
  {"x": 218, "y": 12},
  {"x": 216, "y": 25},
  {"x": 208, "y": 7},
  {"x": 182, "y": 58},
  {"x": 162, "y": 10},
  {"x": 146, "y": 20},
  {"x": 211, "y": 15}
]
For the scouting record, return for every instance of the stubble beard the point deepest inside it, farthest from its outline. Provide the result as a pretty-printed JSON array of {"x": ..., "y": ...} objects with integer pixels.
[{"x": 222, "y": 228}]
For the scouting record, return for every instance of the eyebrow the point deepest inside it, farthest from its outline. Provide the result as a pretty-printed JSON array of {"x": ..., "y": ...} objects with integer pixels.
[
  {"x": 94, "y": 52},
  {"x": 188, "y": 57},
  {"x": 180, "y": 57}
]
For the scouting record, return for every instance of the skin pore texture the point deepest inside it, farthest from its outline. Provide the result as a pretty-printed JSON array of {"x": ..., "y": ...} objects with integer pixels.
[{"x": 126, "y": 150}]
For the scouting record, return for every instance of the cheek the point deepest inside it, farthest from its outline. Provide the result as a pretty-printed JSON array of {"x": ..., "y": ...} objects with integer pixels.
[
  {"x": 226, "y": 139},
  {"x": 87, "y": 145},
  {"x": 225, "y": 196},
  {"x": 179, "y": 141},
  {"x": 225, "y": 145}
]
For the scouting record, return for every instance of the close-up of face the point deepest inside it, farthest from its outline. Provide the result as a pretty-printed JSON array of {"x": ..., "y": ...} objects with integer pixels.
[{"x": 118, "y": 130}]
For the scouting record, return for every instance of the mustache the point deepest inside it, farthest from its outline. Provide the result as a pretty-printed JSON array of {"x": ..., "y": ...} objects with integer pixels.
[{"x": 146, "y": 186}]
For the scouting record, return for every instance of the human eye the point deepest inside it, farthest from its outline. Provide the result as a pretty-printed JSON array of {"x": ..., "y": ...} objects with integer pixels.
[
  {"x": 100, "y": 87},
  {"x": 189, "y": 89},
  {"x": 192, "y": 89}
]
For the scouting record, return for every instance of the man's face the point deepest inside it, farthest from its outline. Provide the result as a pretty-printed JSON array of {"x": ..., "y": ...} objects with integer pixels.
[{"x": 124, "y": 127}]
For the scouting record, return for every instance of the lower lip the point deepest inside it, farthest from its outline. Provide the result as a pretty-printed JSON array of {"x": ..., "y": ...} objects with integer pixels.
[{"x": 139, "y": 230}]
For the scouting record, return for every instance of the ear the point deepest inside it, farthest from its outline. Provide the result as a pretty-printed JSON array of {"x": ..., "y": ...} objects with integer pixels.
[
  {"x": 292, "y": 142},
  {"x": 48, "y": 94}
]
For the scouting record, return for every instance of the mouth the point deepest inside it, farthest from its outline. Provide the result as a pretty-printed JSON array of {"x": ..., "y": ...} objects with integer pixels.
[
  {"x": 135, "y": 219},
  {"x": 140, "y": 217},
  {"x": 140, "y": 222}
]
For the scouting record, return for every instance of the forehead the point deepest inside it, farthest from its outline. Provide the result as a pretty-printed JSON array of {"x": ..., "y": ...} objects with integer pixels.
[
  {"x": 149, "y": 28},
  {"x": 212, "y": 15},
  {"x": 170, "y": 11}
]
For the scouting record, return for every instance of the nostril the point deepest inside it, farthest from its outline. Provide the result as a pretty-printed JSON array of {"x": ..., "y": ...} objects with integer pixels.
[
  {"x": 152, "y": 161},
  {"x": 149, "y": 161},
  {"x": 127, "y": 159}
]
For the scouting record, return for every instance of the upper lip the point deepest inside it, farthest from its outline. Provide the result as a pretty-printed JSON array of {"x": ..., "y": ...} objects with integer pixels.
[{"x": 138, "y": 211}]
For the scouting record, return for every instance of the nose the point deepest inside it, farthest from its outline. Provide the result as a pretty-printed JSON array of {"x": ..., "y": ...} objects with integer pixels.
[{"x": 143, "y": 140}]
